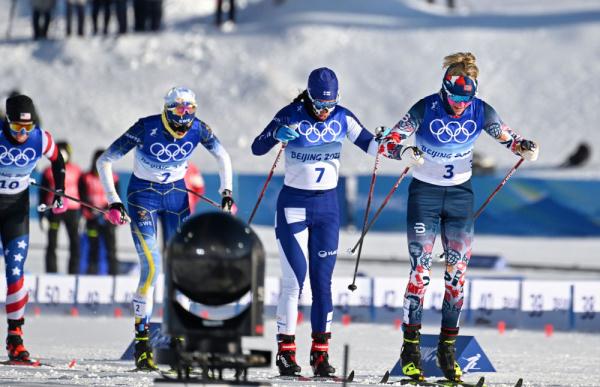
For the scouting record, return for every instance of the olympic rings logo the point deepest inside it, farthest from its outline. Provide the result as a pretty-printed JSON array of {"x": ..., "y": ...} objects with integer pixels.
[
  {"x": 16, "y": 156},
  {"x": 320, "y": 131},
  {"x": 171, "y": 151},
  {"x": 453, "y": 130}
]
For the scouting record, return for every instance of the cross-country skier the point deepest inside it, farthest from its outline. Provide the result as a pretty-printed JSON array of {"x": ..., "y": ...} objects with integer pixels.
[
  {"x": 163, "y": 143},
  {"x": 22, "y": 144},
  {"x": 446, "y": 125},
  {"x": 307, "y": 225}
]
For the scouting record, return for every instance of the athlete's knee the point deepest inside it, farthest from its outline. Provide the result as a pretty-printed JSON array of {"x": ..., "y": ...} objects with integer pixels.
[{"x": 290, "y": 287}]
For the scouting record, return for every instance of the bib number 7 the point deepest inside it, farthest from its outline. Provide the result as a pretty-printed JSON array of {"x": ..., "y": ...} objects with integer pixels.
[{"x": 321, "y": 171}]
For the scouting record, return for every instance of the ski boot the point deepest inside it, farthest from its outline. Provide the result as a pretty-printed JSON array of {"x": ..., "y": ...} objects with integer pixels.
[
  {"x": 286, "y": 356},
  {"x": 410, "y": 356},
  {"x": 14, "y": 342},
  {"x": 446, "y": 358},
  {"x": 319, "y": 358},
  {"x": 143, "y": 352}
]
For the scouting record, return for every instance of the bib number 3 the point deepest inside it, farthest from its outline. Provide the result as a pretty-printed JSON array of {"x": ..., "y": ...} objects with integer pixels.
[{"x": 449, "y": 172}]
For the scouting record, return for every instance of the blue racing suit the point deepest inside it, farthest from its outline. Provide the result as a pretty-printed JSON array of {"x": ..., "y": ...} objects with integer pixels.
[
  {"x": 307, "y": 218},
  {"x": 157, "y": 190}
]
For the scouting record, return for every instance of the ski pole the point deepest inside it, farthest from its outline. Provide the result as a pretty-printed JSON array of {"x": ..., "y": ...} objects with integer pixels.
[
  {"x": 11, "y": 16},
  {"x": 508, "y": 175},
  {"x": 264, "y": 188},
  {"x": 44, "y": 207},
  {"x": 385, "y": 201},
  {"x": 209, "y": 201},
  {"x": 352, "y": 286},
  {"x": 489, "y": 199}
]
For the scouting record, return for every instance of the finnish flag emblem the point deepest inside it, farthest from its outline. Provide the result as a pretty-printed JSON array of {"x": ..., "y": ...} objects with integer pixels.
[{"x": 25, "y": 116}]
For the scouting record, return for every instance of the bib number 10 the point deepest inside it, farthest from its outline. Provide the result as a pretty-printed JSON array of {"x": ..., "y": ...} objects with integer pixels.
[{"x": 10, "y": 185}]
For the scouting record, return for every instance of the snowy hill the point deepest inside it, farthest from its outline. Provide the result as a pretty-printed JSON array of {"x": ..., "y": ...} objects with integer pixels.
[{"x": 538, "y": 64}]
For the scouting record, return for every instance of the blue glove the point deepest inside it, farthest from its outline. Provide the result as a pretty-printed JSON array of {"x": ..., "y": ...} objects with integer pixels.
[{"x": 285, "y": 134}]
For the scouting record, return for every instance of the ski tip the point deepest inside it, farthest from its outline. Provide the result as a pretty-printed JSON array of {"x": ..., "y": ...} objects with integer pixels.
[
  {"x": 480, "y": 382},
  {"x": 385, "y": 378},
  {"x": 350, "y": 377},
  {"x": 519, "y": 382}
]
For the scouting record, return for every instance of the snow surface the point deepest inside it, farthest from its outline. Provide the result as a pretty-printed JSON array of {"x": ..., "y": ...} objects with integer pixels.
[
  {"x": 539, "y": 66},
  {"x": 564, "y": 359}
]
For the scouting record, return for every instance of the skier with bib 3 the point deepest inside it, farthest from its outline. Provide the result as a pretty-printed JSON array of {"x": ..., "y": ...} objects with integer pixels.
[{"x": 445, "y": 125}]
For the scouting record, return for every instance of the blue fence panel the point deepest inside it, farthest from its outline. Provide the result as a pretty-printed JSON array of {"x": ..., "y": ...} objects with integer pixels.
[{"x": 524, "y": 206}]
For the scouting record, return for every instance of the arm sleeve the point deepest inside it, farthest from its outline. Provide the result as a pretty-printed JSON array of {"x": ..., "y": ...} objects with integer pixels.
[
  {"x": 406, "y": 127},
  {"x": 122, "y": 145},
  {"x": 212, "y": 144},
  {"x": 360, "y": 136},
  {"x": 495, "y": 127},
  {"x": 57, "y": 163},
  {"x": 266, "y": 140}
]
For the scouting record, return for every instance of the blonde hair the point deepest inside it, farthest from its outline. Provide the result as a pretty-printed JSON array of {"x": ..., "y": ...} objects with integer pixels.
[{"x": 461, "y": 63}]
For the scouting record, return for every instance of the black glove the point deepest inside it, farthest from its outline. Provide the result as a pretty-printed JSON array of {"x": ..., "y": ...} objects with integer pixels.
[
  {"x": 226, "y": 201},
  {"x": 529, "y": 150}
]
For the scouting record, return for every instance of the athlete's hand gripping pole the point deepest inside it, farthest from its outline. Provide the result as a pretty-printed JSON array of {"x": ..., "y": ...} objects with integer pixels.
[
  {"x": 264, "y": 188},
  {"x": 508, "y": 176},
  {"x": 385, "y": 201},
  {"x": 43, "y": 207},
  {"x": 352, "y": 286}
]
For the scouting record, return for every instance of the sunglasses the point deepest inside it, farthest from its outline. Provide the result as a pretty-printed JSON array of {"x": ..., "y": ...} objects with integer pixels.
[
  {"x": 21, "y": 127},
  {"x": 182, "y": 109},
  {"x": 460, "y": 98}
]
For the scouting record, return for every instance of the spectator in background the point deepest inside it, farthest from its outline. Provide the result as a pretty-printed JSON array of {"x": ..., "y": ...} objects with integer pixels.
[
  {"x": 121, "y": 11},
  {"x": 79, "y": 7},
  {"x": 98, "y": 5},
  {"x": 91, "y": 191},
  {"x": 42, "y": 16},
  {"x": 139, "y": 15},
  {"x": 154, "y": 11},
  {"x": 450, "y": 3},
  {"x": 70, "y": 217},
  {"x": 147, "y": 15},
  {"x": 219, "y": 12},
  {"x": 194, "y": 182}
]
